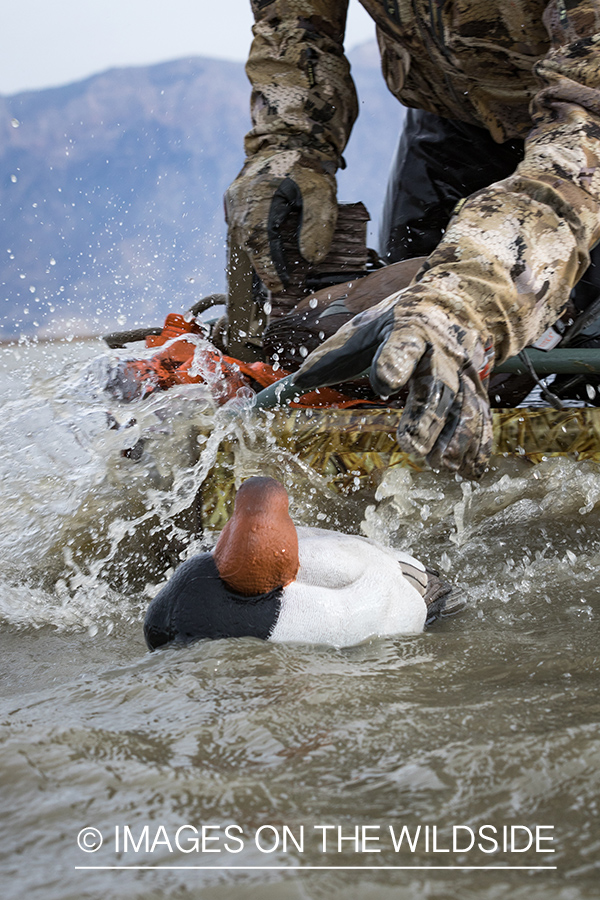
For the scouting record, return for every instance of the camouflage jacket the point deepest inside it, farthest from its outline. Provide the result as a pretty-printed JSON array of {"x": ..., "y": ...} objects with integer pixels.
[{"x": 526, "y": 68}]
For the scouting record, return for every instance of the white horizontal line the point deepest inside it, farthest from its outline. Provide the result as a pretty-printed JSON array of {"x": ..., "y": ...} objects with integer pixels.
[{"x": 340, "y": 868}]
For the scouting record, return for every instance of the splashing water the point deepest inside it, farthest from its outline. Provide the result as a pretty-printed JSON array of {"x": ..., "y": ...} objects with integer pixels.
[
  {"x": 98, "y": 498},
  {"x": 490, "y": 717}
]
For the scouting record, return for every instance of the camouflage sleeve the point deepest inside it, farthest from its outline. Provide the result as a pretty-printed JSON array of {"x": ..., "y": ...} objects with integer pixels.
[
  {"x": 303, "y": 97},
  {"x": 515, "y": 249}
]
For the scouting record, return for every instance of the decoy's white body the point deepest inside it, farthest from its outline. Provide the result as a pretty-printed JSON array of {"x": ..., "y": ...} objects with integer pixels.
[{"x": 349, "y": 589}]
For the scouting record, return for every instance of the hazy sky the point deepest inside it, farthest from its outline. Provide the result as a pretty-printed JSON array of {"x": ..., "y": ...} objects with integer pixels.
[{"x": 51, "y": 42}]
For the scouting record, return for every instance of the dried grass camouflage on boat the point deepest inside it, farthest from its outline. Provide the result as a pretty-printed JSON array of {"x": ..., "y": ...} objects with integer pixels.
[{"x": 352, "y": 449}]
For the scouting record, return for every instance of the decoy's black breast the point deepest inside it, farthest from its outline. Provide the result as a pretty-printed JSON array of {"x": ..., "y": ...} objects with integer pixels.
[{"x": 196, "y": 604}]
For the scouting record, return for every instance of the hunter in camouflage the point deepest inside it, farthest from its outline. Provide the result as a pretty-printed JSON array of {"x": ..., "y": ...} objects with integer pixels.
[{"x": 512, "y": 252}]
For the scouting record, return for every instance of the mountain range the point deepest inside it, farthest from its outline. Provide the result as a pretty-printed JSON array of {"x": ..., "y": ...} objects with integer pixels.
[{"x": 111, "y": 211}]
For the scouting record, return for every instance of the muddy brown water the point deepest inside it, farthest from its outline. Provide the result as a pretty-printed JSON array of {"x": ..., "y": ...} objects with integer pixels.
[{"x": 297, "y": 766}]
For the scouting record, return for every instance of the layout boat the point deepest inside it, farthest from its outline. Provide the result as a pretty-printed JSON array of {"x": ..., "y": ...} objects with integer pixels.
[{"x": 350, "y": 444}]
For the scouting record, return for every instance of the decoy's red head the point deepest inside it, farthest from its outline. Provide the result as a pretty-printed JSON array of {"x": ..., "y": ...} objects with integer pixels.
[{"x": 257, "y": 550}]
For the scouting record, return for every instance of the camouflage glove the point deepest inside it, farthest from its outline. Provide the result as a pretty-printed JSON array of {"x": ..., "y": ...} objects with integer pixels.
[
  {"x": 441, "y": 355},
  {"x": 268, "y": 188}
]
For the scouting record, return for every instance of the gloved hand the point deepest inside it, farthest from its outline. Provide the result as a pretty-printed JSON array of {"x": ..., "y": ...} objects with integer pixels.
[
  {"x": 269, "y": 187},
  {"x": 443, "y": 354}
]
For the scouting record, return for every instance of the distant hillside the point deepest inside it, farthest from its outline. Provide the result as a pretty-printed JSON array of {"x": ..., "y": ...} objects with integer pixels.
[{"x": 111, "y": 189}]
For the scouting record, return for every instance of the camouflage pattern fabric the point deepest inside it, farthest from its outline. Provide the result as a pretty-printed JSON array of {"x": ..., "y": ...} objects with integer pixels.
[
  {"x": 303, "y": 108},
  {"x": 422, "y": 339},
  {"x": 520, "y": 68},
  {"x": 257, "y": 203}
]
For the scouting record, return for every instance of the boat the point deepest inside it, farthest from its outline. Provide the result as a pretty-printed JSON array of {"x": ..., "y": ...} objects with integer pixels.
[{"x": 349, "y": 444}]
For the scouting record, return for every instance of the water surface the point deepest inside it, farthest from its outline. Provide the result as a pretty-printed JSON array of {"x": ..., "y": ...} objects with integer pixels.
[{"x": 490, "y": 718}]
